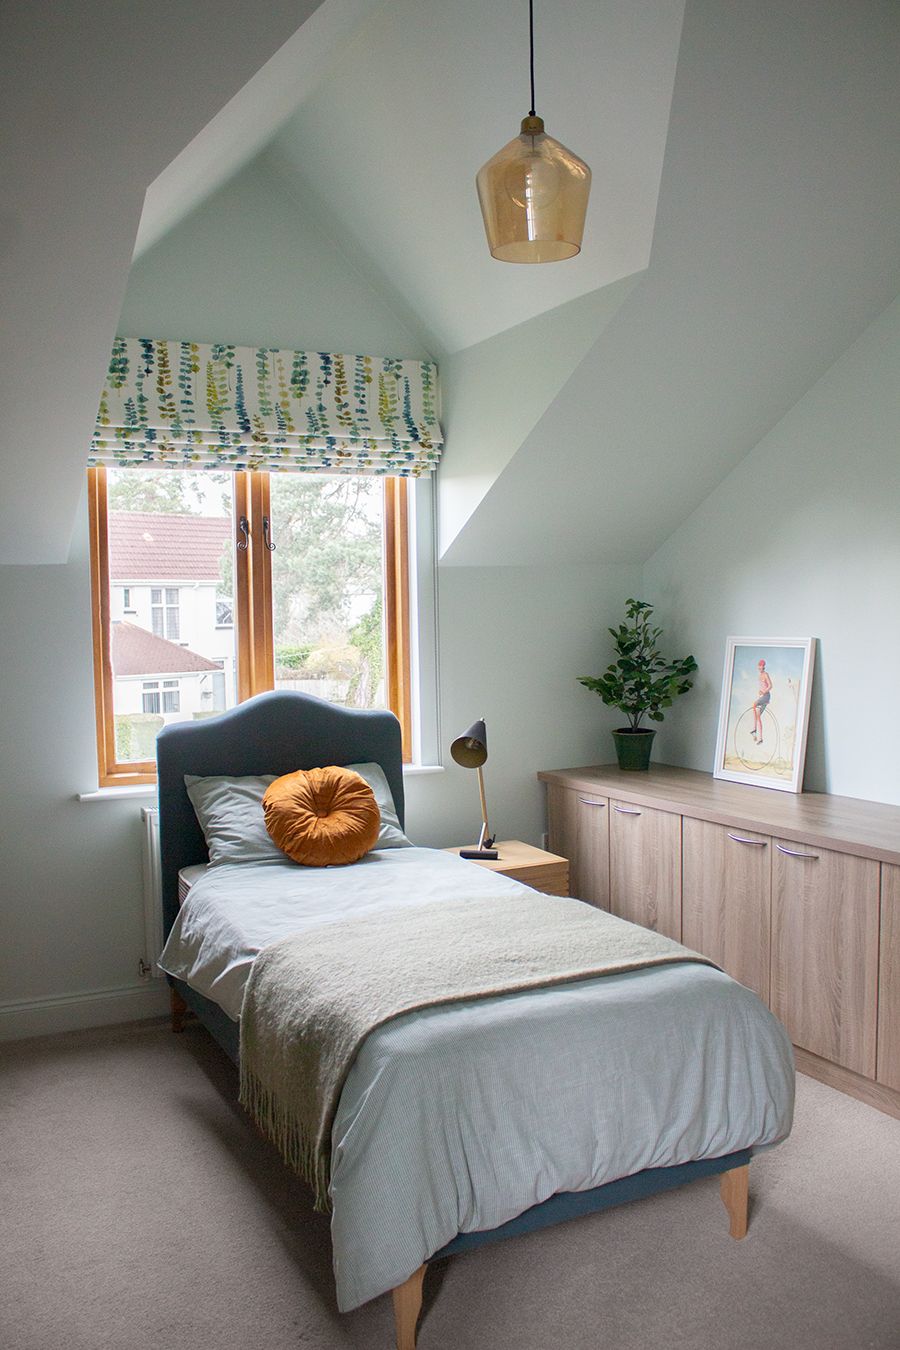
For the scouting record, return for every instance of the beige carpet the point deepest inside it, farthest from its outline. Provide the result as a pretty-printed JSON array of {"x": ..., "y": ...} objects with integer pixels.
[{"x": 139, "y": 1209}]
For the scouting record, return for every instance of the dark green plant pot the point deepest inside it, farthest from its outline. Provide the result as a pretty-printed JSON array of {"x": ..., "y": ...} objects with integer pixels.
[{"x": 633, "y": 747}]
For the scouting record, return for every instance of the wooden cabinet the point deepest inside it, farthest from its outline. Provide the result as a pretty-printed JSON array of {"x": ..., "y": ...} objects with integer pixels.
[
  {"x": 578, "y": 828},
  {"x": 645, "y": 866},
  {"x": 825, "y": 952},
  {"x": 726, "y": 899},
  {"x": 889, "y": 983},
  {"x": 795, "y": 895}
]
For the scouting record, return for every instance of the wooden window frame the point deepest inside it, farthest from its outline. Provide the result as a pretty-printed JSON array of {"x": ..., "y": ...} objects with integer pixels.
[{"x": 254, "y": 646}]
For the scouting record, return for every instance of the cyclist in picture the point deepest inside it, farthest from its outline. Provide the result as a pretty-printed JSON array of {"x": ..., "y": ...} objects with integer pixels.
[{"x": 762, "y": 702}]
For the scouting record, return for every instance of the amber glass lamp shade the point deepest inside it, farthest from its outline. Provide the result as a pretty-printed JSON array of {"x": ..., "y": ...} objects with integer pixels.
[{"x": 533, "y": 195}]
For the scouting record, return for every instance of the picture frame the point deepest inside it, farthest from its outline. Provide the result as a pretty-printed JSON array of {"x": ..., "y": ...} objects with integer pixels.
[{"x": 764, "y": 711}]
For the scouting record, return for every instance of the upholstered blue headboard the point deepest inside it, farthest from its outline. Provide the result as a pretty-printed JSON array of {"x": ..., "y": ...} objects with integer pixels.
[{"x": 272, "y": 733}]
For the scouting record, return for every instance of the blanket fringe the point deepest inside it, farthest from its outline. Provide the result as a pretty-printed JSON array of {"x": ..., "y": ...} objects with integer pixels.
[{"x": 295, "y": 1143}]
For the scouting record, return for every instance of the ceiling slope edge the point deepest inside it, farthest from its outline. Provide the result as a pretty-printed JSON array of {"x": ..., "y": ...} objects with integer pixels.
[
  {"x": 83, "y": 143},
  {"x": 249, "y": 120},
  {"x": 495, "y": 392}
]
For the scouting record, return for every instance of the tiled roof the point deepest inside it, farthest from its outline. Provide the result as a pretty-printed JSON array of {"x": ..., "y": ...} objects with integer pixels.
[
  {"x": 152, "y": 546},
  {"x": 137, "y": 652}
]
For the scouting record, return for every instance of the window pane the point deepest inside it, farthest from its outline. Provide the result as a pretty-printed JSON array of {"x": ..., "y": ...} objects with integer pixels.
[
  {"x": 167, "y": 526},
  {"x": 327, "y": 587}
]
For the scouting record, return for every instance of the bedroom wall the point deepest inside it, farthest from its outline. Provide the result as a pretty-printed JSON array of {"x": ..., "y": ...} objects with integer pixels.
[
  {"x": 511, "y": 642},
  {"x": 803, "y": 538},
  {"x": 251, "y": 264}
]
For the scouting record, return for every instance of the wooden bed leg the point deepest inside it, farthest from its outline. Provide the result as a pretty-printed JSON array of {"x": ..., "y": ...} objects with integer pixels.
[
  {"x": 407, "y": 1306},
  {"x": 179, "y": 1009},
  {"x": 733, "y": 1186}
]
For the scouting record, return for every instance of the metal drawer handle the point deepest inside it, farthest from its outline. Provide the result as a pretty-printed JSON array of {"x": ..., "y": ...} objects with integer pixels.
[
  {"x": 792, "y": 853},
  {"x": 758, "y": 843},
  {"x": 624, "y": 811},
  {"x": 585, "y": 801}
]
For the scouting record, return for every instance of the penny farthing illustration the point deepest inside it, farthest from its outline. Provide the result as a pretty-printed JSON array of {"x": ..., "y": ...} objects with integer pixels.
[{"x": 752, "y": 755}]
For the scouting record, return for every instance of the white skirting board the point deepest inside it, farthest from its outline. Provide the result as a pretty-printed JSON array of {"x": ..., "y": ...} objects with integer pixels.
[{"x": 91, "y": 1008}]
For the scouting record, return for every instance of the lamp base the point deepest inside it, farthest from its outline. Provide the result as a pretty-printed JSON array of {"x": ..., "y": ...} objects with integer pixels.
[{"x": 490, "y": 854}]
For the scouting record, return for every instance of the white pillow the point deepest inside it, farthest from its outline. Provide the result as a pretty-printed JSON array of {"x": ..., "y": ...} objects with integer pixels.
[
  {"x": 390, "y": 835},
  {"x": 231, "y": 815}
]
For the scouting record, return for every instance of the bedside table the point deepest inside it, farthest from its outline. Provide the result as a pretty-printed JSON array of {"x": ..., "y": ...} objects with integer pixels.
[{"x": 543, "y": 871}]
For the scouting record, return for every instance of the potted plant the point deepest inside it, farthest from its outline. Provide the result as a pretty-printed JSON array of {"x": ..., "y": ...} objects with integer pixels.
[{"x": 639, "y": 682}]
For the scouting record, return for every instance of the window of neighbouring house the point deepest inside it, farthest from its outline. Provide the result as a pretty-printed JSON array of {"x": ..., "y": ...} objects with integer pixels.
[
  {"x": 150, "y": 696},
  {"x": 164, "y": 612}
]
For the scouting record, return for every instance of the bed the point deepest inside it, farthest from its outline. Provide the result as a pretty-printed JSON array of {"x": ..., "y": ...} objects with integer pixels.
[{"x": 474, "y": 1121}]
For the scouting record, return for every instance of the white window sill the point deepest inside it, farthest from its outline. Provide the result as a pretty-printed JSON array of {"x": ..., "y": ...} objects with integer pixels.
[
  {"x": 118, "y": 794},
  {"x": 145, "y": 790}
]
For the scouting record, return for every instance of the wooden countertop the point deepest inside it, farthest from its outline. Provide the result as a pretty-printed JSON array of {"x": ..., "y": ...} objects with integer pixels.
[{"x": 846, "y": 824}]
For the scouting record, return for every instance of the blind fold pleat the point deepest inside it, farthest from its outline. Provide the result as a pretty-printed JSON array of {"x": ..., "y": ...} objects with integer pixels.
[{"x": 191, "y": 405}]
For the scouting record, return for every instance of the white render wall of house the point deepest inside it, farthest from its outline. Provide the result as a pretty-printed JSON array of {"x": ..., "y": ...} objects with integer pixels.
[
  {"x": 198, "y": 630},
  {"x": 194, "y": 688}
]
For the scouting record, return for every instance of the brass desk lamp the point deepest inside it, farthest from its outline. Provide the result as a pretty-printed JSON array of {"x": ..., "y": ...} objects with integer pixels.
[{"x": 470, "y": 750}]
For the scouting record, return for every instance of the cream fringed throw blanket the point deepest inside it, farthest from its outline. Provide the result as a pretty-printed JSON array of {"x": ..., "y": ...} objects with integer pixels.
[{"x": 312, "y": 999}]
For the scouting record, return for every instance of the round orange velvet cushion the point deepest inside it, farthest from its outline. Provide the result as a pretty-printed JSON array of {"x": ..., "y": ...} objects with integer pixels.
[{"x": 322, "y": 817}]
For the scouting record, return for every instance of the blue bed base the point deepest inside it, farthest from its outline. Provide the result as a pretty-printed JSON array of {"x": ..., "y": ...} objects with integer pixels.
[
  {"x": 278, "y": 733},
  {"x": 558, "y": 1208}
]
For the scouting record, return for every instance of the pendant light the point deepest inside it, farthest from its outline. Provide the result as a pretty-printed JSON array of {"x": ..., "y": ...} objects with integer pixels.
[{"x": 534, "y": 192}]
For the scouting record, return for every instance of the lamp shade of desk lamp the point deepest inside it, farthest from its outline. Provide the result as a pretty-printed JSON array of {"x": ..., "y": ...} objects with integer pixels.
[{"x": 470, "y": 751}]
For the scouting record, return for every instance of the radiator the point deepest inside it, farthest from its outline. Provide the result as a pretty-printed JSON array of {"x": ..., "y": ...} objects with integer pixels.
[{"x": 153, "y": 919}]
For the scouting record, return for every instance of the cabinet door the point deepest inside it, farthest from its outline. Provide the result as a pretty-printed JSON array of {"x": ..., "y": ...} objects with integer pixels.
[
  {"x": 889, "y": 988},
  {"x": 578, "y": 829},
  {"x": 726, "y": 899},
  {"x": 825, "y": 952},
  {"x": 645, "y": 867}
]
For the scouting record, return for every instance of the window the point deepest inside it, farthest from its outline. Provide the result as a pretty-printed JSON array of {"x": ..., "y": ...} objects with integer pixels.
[
  {"x": 171, "y": 700},
  {"x": 164, "y": 612},
  {"x": 314, "y": 596},
  {"x": 126, "y": 600},
  {"x": 150, "y": 696}
]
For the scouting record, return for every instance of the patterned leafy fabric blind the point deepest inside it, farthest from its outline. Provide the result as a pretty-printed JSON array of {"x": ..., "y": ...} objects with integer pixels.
[{"x": 190, "y": 405}]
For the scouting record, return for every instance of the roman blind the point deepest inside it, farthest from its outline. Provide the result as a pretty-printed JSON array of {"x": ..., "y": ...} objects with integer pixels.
[{"x": 191, "y": 405}]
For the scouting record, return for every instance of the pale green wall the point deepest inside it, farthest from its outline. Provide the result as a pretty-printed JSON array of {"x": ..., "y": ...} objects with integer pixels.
[
  {"x": 494, "y": 392},
  {"x": 511, "y": 643},
  {"x": 250, "y": 266},
  {"x": 803, "y": 539}
]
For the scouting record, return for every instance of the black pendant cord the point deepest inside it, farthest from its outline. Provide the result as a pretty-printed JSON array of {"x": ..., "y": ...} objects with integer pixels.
[{"x": 531, "y": 52}]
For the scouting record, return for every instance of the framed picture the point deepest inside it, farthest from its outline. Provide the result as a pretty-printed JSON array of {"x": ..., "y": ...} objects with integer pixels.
[{"x": 764, "y": 713}]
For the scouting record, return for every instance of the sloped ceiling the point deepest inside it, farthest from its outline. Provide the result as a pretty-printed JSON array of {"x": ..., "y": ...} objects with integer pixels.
[
  {"x": 425, "y": 92},
  {"x": 95, "y": 100},
  {"x": 741, "y": 232},
  {"x": 777, "y": 242}
]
